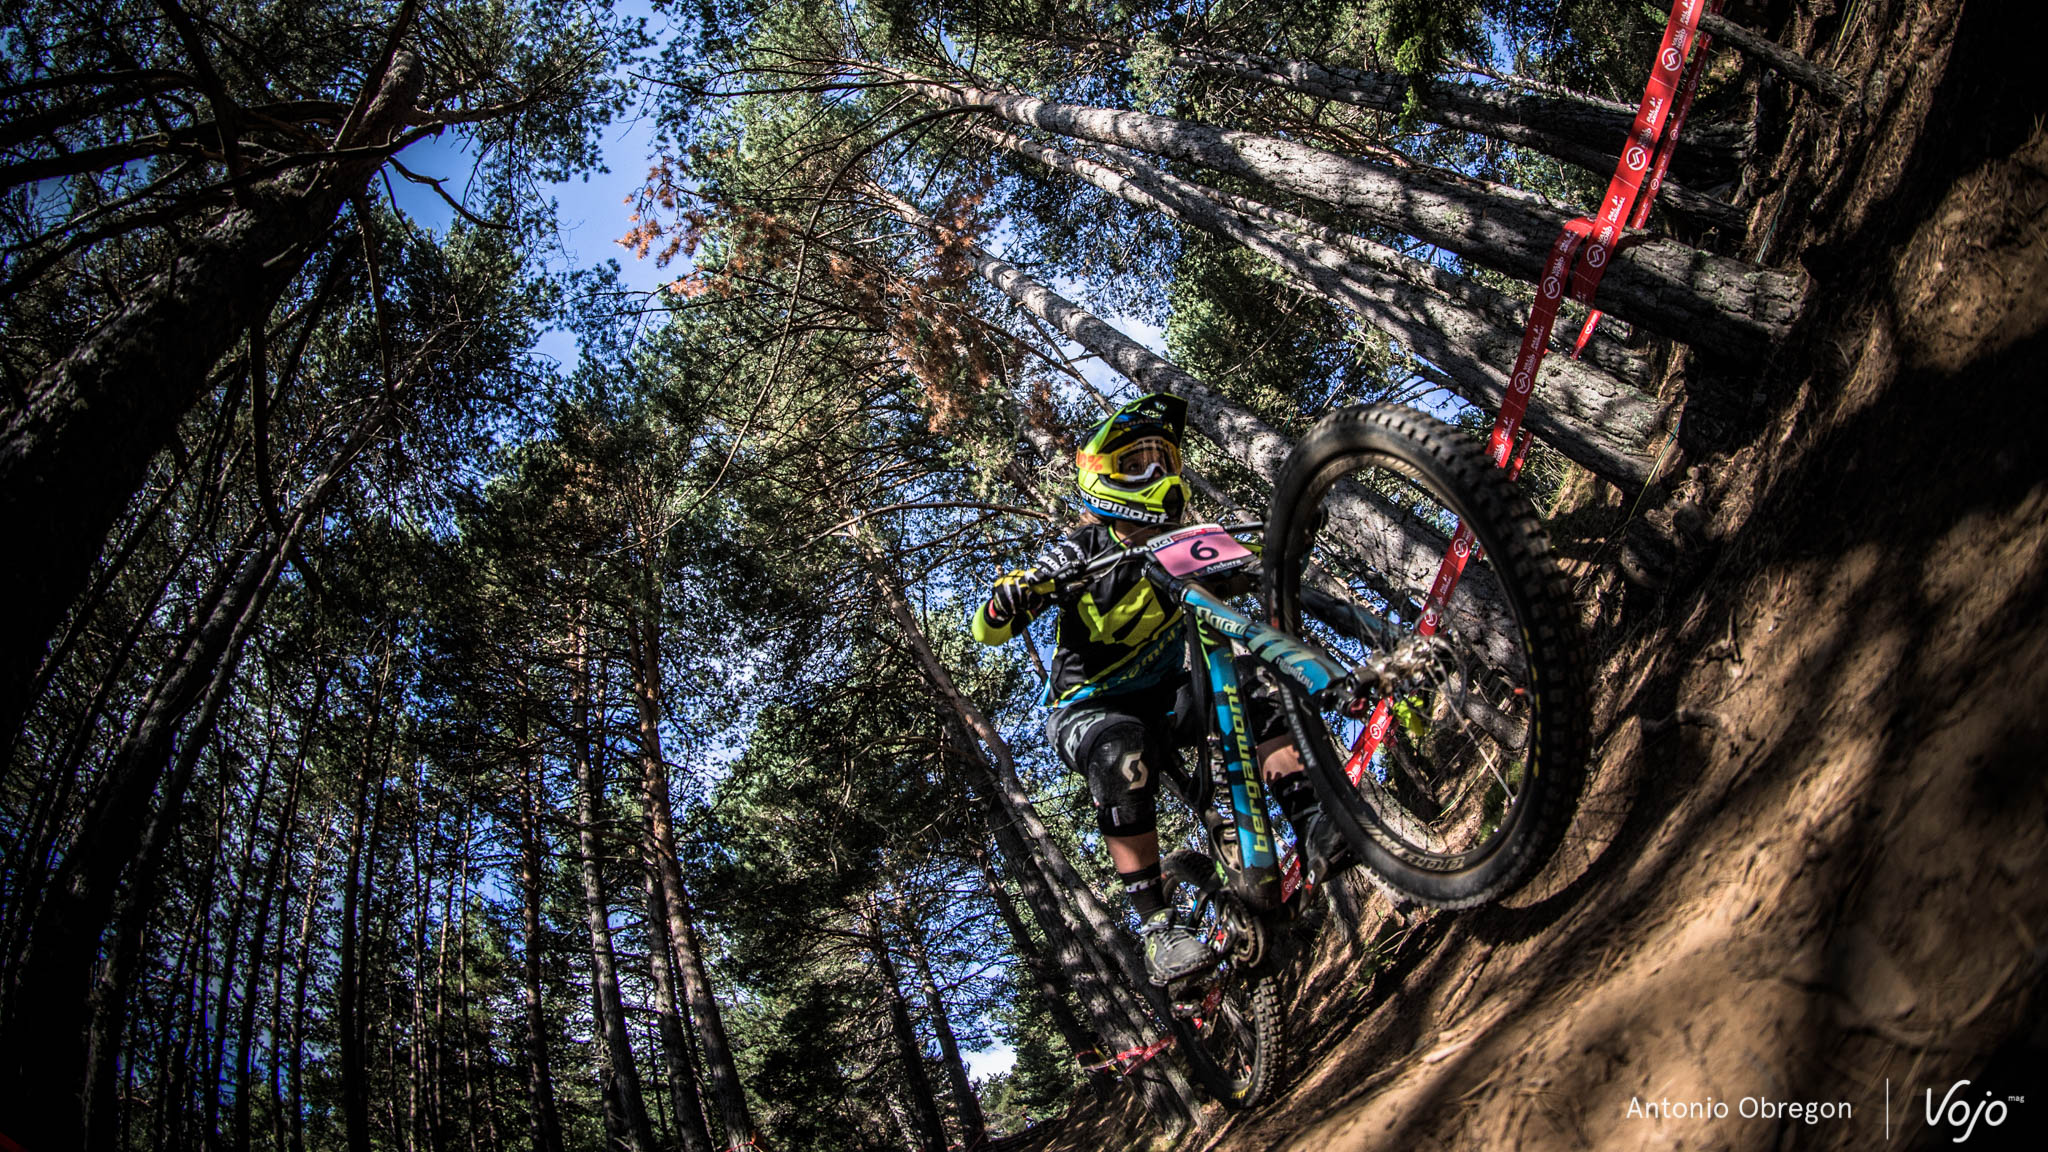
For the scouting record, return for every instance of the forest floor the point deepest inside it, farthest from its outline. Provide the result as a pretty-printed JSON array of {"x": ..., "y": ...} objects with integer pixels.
[{"x": 1809, "y": 866}]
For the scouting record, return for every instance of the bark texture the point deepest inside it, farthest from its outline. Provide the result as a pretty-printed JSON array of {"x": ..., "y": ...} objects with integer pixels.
[
  {"x": 1832, "y": 88},
  {"x": 76, "y": 449},
  {"x": 1715, "y": 304},
  {"x": 1593, "y": 418},
  {"x": 1577, "y": 129}
]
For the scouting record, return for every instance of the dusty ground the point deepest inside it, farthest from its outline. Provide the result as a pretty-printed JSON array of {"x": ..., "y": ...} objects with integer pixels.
[{"x": 1810, "y": 869}]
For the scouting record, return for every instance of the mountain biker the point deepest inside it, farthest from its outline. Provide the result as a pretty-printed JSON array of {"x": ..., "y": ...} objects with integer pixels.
[{"x": 1118, "y": 682}]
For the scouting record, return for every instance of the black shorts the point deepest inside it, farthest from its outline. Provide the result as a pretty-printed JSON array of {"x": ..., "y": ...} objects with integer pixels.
[{"x": 1119, "y": 741}]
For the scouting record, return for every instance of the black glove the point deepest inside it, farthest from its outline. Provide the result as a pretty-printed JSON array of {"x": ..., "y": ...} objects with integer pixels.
[
  {"x": 1061, "y": 562},
  {"x": 1016, "y": 595}
]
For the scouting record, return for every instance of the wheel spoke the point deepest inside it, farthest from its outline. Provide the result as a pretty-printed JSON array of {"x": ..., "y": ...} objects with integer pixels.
[{"x": 1444, "y": 810}]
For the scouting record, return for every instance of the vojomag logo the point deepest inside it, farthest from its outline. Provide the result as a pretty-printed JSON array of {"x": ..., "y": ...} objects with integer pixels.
[{"x": 1960, "y": 1113}]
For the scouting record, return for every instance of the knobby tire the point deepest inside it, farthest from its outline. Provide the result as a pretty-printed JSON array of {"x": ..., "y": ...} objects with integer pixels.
[
  {"x": 1234, "y": 1054},
  {"x": 1484, "y": 771}
]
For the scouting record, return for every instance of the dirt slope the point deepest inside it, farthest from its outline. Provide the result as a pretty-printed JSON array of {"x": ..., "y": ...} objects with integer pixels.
[{"x": 1811, "y": 868}]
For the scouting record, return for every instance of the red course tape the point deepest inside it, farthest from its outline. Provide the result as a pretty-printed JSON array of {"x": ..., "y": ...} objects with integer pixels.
[
  {"x": 1665, "y": 148},
  {"x": 1577, "y": 260},
  {"x": 1126, "y": 1061}
]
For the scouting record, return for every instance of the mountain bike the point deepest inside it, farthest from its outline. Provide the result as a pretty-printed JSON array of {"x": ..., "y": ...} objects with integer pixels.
[{"x": 1422, "y": 646}]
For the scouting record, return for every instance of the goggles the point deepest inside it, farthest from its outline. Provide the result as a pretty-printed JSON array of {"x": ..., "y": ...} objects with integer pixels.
[{"x": 1133, "y": 465}]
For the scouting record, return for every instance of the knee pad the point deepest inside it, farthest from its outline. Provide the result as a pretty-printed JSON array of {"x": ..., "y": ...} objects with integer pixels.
[{"x": 1120, "y": 780}]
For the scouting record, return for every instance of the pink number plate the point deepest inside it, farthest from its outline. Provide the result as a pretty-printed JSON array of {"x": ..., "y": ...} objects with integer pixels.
[{"x": 1198, "y": 550}]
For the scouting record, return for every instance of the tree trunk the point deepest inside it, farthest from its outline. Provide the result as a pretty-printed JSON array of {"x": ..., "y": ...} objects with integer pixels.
[
  {"x": 469, "y": 1104},
  {"x": 604, "y": 974},
  {"x": 727, "y": 1093},
  {"x": 1574, "y": 128},
  {"x": 455, "y": 904},
  {"x": 402, "y": 1085},
  {"x": 73, "y": 453},
  {"x": 273, "y": 872},
  {"x": 230, "y": 956},
  {"x": 1053, "y": 990},
  {"x": 164, "y": 1066},
  {"x": 193, "y": 972},
  {"x": 1833, "y": 89},
  {"x": 1121, "y": 1019},
  {"x": 1713, "y": 303},
  {"x": 490, "y": 1095},
  {"x": 41, "y": 847},
  {"x": 684, "y": 1101},
  {"x": 423, "y": 1087},
  {"x": 924, "y": 1106},
  {"x": 357, "y": 889},
  {"x": 54, "y": 998},
  {"x": 50, "y": 997},
  {"x": 1498, "y": 308},
  {"x": 704, "y": 1012},
  {"x": 86, "y": 608},
  {"x": 544, "y": 1122},
  {"x": 107, "y": 1010},
  {"x": 1594, "y": 419},
  {"x": 973, "y": 1127},
  {"x": 302, "y": 969},
  {"x": 618, "y": 1130}
]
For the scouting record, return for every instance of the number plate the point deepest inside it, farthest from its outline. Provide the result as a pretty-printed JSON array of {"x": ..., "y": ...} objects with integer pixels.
[{"x": 1198, "y": 550}]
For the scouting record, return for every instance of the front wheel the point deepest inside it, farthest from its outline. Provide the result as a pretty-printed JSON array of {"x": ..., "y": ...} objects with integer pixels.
[
  {"x": 1226, "y": 1018},
  {"x": 1455, "y": 781}
]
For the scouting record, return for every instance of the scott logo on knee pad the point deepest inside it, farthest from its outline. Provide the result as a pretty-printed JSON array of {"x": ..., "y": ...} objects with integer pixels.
[{"x": 1133, "y": 769}]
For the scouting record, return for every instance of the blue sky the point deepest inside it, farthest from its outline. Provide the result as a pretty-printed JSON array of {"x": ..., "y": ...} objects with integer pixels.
[
  {"x": 590, "y": 210},
  {"x": 591, "y": 215}
]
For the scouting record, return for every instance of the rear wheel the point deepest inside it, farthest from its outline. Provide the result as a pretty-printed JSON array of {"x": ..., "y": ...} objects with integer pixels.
[
  {"x": 1226, "y": 1018},
  {"x": 1455, "y": 781}
]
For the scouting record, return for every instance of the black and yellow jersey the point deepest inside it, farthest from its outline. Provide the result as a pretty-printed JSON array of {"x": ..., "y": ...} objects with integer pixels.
[{"x": 1114, "y": 634}]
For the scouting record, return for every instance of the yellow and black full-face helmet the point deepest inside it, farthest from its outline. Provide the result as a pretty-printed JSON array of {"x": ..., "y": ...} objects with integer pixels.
[{"x": 1130, "y": 468}]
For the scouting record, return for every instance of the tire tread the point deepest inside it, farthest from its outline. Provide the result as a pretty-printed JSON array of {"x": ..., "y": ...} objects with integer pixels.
[{"x": 1522, "y": 557}]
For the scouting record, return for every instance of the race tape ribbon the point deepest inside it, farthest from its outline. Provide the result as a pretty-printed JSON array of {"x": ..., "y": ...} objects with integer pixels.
[
  {"x": 1569, "y": 269},
  {"x": 1125, "y": 1062},
  {"x": 1659, "y": 97},
  {"x": 1665, "y": 147}
]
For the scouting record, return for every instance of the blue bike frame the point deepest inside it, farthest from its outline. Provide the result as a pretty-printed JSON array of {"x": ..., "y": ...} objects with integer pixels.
[{"x": 1214, "y": 623}]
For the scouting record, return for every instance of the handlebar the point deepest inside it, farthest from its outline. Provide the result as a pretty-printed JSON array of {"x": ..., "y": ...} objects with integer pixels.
[{"x": 1106, "y": 561}]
